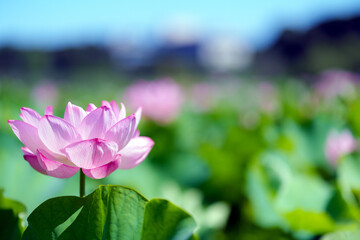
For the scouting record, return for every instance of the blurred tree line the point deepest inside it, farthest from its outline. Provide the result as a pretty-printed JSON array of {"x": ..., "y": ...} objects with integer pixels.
[
  {"x": 328, "y": 45},
  {"x": 331, "y": 44}
]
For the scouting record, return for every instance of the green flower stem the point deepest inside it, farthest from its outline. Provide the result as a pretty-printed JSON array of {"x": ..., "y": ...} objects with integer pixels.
[{"x": 82, "y": 184}]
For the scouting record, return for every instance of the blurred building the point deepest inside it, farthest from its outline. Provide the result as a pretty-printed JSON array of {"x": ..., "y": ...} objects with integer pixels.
[{"x": 224, "y": 54}]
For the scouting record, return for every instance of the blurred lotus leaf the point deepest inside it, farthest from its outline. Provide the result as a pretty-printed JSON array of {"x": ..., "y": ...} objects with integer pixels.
[
  {"x": 12, "y": 215},
  {"x": 342, "y": 235}
]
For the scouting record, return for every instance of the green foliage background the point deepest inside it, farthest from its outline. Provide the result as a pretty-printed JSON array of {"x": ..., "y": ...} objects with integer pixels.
[{"x": 244, "y": 171}]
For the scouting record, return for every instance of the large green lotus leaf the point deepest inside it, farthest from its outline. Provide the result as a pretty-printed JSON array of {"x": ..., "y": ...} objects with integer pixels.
[
  {"x": 11, "y": 218},
  {"x": 110, "y": 212}
]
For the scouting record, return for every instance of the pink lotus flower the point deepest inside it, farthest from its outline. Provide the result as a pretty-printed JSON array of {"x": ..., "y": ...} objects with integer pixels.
[
  {"x": 335, "y": 83},
  {"x": 161, "y": 100},
  {"x": 339, "y": 144},
  {"x": 98, "y": 140}
]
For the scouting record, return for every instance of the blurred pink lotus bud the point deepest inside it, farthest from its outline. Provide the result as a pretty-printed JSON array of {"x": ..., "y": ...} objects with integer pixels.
[
  {"x": 334, "y": 83},
  {"x": 161, "y": 100},
  {"x": 339, "y": 144},
  {"x": 98, "y": 140}
]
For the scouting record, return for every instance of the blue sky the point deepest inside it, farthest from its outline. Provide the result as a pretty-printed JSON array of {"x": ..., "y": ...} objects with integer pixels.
[{"x": 44, "y": 23}]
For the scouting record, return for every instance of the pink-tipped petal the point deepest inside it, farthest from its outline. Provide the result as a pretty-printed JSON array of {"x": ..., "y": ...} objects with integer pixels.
[
  {"x": 115, "y": 109},
  {"x": 138, "y": 116},
  {"x": 34, "y": 163},
  {"x": 30, "y": 116},
  {"x": 28, "y": 134},
  {"x": 54, "y": 168},
  {"x": 56, "y": 133},
  {"x": 91, "y": 107},
  {"x": 91, "y": 153},
  {"x": 49, "y": 110},
  {"x": 135, "y": 152},
  {"x": 97, "y": 123},
  {"x": 102, "y": 171},
  {"x": 27, "y": 151},
  {"x": 74, "y": 114},
  {"x": 136, "y": 133},
  {"x": 122, "y": 112},
  {"x": 122, "y": 132},
  {"x": 105, "y": 103},
  {"x": 113, "y": 106}
]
